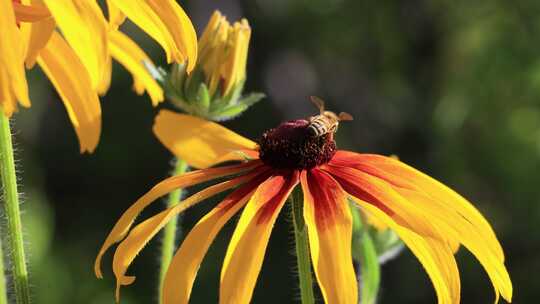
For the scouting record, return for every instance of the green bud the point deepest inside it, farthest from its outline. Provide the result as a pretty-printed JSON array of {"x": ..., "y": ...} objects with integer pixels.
[{"x": 191, "y": 94}]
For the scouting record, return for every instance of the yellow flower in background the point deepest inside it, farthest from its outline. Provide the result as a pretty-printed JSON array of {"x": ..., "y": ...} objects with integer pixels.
[
  {"x": 223, "y": 50},
  {"x": 430, "y": 218},
  {"x": 78, "y": 62}
]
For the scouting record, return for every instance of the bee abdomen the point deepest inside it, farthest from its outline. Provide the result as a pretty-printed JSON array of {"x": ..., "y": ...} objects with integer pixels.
[{"x": 317, "y": 128}]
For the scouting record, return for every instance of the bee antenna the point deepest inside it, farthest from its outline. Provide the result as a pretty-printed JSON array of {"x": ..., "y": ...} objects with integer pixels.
[
  {"x": 344, "y": 116},
  {"x": 319, "y": 103}
]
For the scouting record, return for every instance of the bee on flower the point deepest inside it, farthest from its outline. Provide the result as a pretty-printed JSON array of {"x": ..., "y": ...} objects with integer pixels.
[{"x": 431, "y": 219}]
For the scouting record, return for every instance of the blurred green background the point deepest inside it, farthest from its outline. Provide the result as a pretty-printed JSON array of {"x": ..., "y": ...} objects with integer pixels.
[{"x": 451, "y": 87}]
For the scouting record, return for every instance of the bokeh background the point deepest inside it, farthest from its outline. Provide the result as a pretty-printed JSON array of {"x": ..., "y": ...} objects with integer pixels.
[{"x": 450, "y": 86}]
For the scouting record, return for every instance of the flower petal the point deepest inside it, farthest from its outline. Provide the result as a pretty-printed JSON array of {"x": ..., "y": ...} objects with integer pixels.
[
  {"x": 329, "y": 223},
  {"x": 435, "y": 256},
  {"x": 30, "y": 13},
  {"x": 123, "y": 225},
  {"x": 132, "y": 57},
  {"x": 116, "y": 17},
  {"x": 234, "y": 70},
  {"x": 402, "y": 175},
  {"x": 463, "y": 231},
  {"x": 167, "y": 23},
  {"x": 37, "y": 35},
  {"x": 11, "y": 60},
  {"x": 8, "y": 102},
  {"x": 375, "y": 191},
  {"x": 246, "y": 250},
  {"x": 199, "y": 142},
  {"x": 139, "y": 236},
  {"x": 187, "y": 260},
  {"x": 83, "y": 25},
  {"x": 72, "y": 82}
]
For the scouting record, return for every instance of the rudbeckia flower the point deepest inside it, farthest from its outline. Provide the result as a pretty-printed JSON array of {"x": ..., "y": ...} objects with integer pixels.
[
  {"x": 431, "y": 219},
  {"x": 78, "y": 62}
]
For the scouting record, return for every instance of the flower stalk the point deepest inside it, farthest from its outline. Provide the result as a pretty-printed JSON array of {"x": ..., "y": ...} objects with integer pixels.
[
  {"x": 12, "y": 213},
  {"x": 173, "y": 228},
  {"x": 3, "y": 281},
  {"x": 302, "y": 248}
]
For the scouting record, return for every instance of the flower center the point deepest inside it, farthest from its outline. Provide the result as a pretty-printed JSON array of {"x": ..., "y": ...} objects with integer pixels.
[{"x": 292, "y": 145}]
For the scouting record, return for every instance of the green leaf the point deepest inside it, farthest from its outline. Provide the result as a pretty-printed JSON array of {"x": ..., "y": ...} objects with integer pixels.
[
  {"x": 387, "y": 243},
  {"x": 192, "y": 84},
  {"x": 365, "y": 253},
  {"x": 203, "y": 98},
  {"x": 232, "y": 111},
  {"x": 370, "y": 271}
]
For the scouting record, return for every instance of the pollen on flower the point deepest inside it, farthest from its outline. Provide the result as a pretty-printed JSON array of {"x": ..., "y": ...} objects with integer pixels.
[{"x": 292, "y": 146}]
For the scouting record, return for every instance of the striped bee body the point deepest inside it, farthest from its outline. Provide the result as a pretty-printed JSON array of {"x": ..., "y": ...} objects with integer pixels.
[
  {"x": 323, "y": 124},
  {"x": 326, "y": 122}
]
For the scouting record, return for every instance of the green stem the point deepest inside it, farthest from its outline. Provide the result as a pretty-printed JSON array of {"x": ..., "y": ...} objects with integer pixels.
[
  {"x": 3, "y": 282},
  {"x": 172, "y": 229},
  {"x": 13, "y": 215},
  {"x": 302, "y": 249}
]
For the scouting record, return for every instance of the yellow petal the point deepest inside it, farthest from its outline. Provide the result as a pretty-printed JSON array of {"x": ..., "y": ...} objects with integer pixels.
[
  {"x": 123, "y": 225},
  {"x": 131, "y": 56},
  {"x": 30, "y": 13},
  {"x": 12, "y": 57},
  {"x": 130, "y": 247},
  {"x": 106, "y": 78},
  {"x": 199, "y": 142},
  {"x": 167, "y": 23},
  {"x": 246, "y": 250},
  {"x": 461, "y": 230},
  {"x": 8, "y": 102},
  {"x": 116, "y": 17},
  {"x": 435, "y": 256},
  {"x": 234, "y": 69},
  {"x": 410, "y": 178},
  {"x": 85, "y": 29},
  {"x": 38, "y": 34},
  {"x": 329, "y": 223},
  {"x": 72, "y": 82},
  {"x": 183, "y": 268}
]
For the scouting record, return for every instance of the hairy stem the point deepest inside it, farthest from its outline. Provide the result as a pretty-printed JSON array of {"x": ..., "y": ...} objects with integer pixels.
[
  {"x": 302, "y": 248},
  {"x": 13, "y": 215},
  {"x": 171, "y": 230}
]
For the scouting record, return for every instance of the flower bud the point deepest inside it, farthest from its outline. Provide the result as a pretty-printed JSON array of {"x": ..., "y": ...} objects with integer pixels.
[{"x": 214, "y": 89}]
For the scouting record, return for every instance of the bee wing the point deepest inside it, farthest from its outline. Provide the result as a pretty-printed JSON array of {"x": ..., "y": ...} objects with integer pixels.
[
  {"x": 319, "y": 103},
  {"x": 343, "y": 116}
]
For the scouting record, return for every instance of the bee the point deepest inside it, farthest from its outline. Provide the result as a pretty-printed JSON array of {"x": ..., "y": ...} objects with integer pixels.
[{"x": 326, "y": 122}]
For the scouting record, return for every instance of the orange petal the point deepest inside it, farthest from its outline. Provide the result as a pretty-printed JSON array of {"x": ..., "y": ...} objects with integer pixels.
[
  {"x": 12, "y": 59},
  {"x": 72, "y": 82},
  {"x": 201, "y": 143},
  {"x": 375, "y": 191},
  {"x": 329, "y": 223},
  {"x": 402, "y": 175},
  {"x": 139, "y": 236},
  {"x": 123, "y": 225},
  {"x": 246, "y": 250},
  {"x": 183, "y": 268},
  {"x": 30, "y": 13}
]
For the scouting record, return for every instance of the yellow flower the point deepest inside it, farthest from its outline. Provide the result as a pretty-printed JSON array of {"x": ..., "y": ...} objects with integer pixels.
[
  {"x": 431, "y": 219},
  {"x": 223, "y": 52},
  {"x": 78, "y": 62}
]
